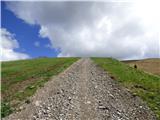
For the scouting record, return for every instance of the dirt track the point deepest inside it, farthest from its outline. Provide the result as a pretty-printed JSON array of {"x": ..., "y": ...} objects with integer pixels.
[{"x": 83, "y": 92}]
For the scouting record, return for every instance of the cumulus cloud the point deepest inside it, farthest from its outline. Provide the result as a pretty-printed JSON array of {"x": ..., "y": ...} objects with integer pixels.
[
  {"x": 8, "y": 46},
  {"x": 100, "y": 29}
]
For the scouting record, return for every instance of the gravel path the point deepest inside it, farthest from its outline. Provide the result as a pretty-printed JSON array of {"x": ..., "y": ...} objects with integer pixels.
[{"x": 83, "y": 92}]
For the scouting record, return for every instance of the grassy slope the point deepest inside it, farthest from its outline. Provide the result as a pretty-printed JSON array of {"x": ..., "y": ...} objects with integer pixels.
[
  {"x": 20, "y": 79},
  {"x": 148, "y": 65},
  {"x": 140, "y": 83}
]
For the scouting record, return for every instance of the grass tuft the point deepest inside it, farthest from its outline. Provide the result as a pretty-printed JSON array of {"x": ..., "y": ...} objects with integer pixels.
[{"x": 5, "y": 109}]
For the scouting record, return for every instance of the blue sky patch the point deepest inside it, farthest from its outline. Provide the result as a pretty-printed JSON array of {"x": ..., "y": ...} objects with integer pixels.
[{"x": 26, "y": 35}]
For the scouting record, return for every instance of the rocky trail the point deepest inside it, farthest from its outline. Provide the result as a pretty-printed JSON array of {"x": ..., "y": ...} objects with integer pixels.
[{"x": 83, "y": 92}]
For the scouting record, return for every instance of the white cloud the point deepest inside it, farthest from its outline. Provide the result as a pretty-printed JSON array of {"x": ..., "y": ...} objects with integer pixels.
[
  {"x": 93, "y": 28},
  {"x": 8, "y": 44},
  {"x": 36, "y": 44}
]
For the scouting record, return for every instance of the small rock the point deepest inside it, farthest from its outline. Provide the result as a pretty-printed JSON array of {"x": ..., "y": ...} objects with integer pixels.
[
  {"x": 111, "y": 95},
  {"x": 34, "y": 117},
  {"x": 88, "y": 102},
  {"x": 69, "y": 98},
  {"x": 48, "y": 108},
  {"x": 21, "y": 107},
  {"x": 40, "y": 113},
  {"x": 37, "y": 103},
  {"x": 103, "y": 107}
]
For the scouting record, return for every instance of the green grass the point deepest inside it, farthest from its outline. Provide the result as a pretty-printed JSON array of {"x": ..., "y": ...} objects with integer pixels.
[
  {"x": 140, "y": 83},
  {"x": 21, "y": 79},
  {"x": 5, "y": 109}
]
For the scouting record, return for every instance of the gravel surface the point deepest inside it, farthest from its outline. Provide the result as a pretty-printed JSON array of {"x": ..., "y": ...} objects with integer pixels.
[{"x": 83, "y": 92}]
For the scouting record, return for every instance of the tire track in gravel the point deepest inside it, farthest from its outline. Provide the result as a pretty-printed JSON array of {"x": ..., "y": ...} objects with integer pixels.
[{"x": 83, "y": 92}]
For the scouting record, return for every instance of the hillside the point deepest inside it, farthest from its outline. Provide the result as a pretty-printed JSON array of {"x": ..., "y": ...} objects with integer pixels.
[
  {"x": 20, "y": 79},
  {"x": 148, "y": 65},
  {"x": 79, "y": 92},
  {"x": 141, "y": 84},
  {"x": 83, "y": 92}
]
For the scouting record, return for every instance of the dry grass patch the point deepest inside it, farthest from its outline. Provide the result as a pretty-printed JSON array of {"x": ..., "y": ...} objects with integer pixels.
[{"x": 148, "y": 65}]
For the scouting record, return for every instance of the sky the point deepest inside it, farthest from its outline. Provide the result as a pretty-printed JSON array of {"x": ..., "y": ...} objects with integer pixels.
[{"x": 123, "y": 30}]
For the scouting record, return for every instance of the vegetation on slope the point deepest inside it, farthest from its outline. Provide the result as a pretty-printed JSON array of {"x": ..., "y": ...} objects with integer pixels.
[
  {"x": 144, "y": 85},
  {"x": 151, "y": 66},
  {"x": 20, "y": 79}
]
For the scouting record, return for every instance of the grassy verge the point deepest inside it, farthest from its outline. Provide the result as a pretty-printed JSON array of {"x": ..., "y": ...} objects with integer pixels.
[
  {"x": 21, "y": 79},
  {"x": 140, "y": 83}
]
